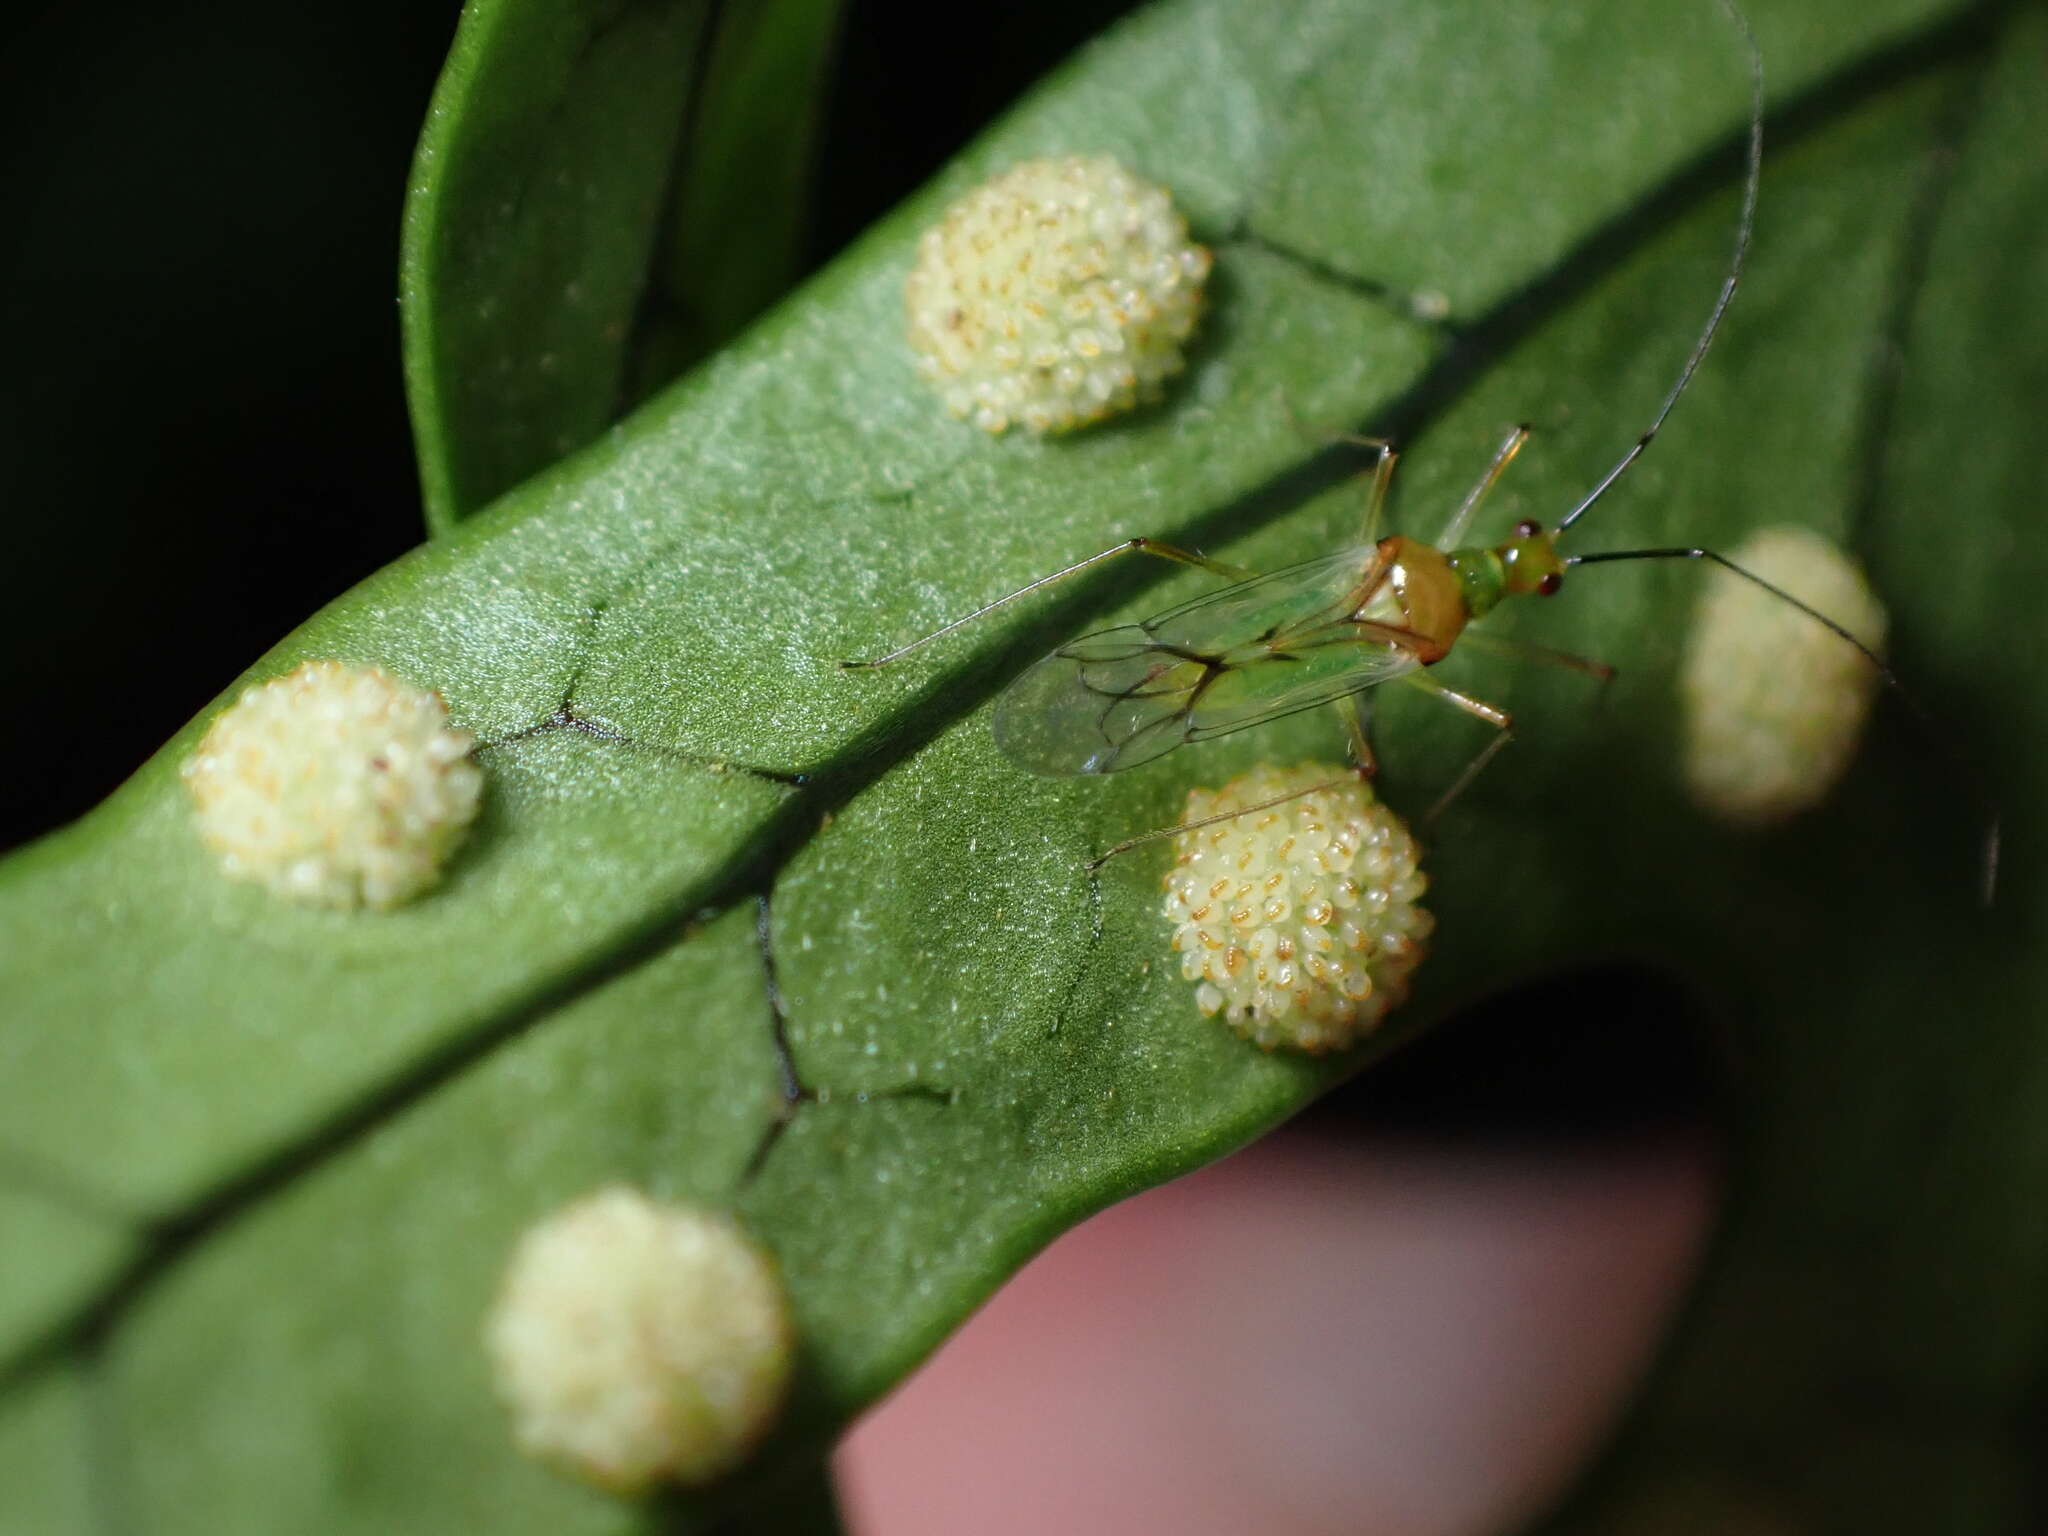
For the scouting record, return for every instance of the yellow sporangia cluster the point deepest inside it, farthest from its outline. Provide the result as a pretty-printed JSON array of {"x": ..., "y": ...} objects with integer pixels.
[
  {"x": 1298, "y": 923},
  {"x": 335, "y": 785},
  {"x": 1060, "y": 292},
  {"x": 1775, "y": 703},
  {"x": 639, "y": 1343}
]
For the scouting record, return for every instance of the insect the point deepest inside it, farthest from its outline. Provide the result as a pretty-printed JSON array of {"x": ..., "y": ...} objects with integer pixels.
[{"x": 1327, "y": 630}]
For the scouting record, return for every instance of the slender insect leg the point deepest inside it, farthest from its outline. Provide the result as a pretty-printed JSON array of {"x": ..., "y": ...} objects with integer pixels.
[
  {"x": 1382, "y": 477},
  {"x": 1139, "y": 545},
  {"x": 1358, "y": 717},
  {"x": 1513, "y": 649},
  {"x": 1318, "y": 435},
  {"x": 1365, "y": 762},
  {"x": 1542, "y": 655},
  {"x": 1376, "y": 497},
  {"x": 1153, "y": 836},
  {"x": 1492, "y": 714},
  {"x": 1461, "y": 520},
  {"x": 1382, "y": 465}
]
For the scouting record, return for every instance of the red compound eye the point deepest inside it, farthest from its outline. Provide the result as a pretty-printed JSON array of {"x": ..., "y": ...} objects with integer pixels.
[
  {"x": 1528, "y": 528},
  {"x": 1549, "y": 585}
]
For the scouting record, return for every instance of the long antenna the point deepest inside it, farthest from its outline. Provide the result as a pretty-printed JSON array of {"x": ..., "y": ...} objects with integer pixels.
[
  {"x": 1727, "y": 293},
  {"x": 1988, "y": 867}
]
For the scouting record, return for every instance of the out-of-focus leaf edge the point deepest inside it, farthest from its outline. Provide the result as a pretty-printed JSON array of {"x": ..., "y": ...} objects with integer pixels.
[{"x": 604, "y": 192}]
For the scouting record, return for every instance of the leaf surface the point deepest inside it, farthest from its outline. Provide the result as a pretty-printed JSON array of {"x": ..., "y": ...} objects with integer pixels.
[
  {"x": 710, "y": 858},
  {"x": 46, "y": 1456}
]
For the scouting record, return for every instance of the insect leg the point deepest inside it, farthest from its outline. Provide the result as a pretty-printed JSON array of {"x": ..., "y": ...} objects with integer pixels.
[
  {"x": 1376, "y": 496},
  {"x": 1358, "y": 717},
  {"x": 1382, "y": 465},
  {"x": 1461, "y": 520},
  {"x": 1502, "y": 722},
  {"x": 1138, "y": 545},
  {"x": 1382, "y": 477},
  {"x": 1365, "y": 764},
  {"x": 1153, "y": 836},
  {"x": 1521, "y": 650}
]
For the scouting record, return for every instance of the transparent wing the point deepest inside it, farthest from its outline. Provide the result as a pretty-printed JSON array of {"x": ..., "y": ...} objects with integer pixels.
[
  {"x": 1250, "y": 653},
  {"x": 1290, "y": 681},
  {"x": 1108, "y": 701},
  {"x": 1314, "y": 594}
]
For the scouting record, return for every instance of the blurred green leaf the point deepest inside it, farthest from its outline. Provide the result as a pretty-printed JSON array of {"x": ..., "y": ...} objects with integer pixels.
[
  {"x": 1865, "y": 1350},
  {"x": 709, "y": 857},
  {"x": 46, "y": 1459},
  {"x": 605, "y": 191},
  {"x": 731, "y": 242}
]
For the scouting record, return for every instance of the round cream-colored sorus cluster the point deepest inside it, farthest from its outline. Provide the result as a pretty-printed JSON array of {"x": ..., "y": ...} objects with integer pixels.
[
  {"x": 1057, "y": 294},
  {"x": 1298, "y": 923},
  {"x": 639, "y": 1343},
  {"x": 335, "y": 785},
  {"x": 1774, "y": 702}
]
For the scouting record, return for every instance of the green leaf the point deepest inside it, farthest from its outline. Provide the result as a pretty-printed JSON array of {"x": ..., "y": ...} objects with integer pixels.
[
  {"x": 1865, "y": 1349},
  {"x": 733, "y": 238},
  {"x": 46, "y": 1459},
  {"x": 709, "y": 857},
  {"x": 59, "y": 1248},
  {"x": 605, "y": 191}
]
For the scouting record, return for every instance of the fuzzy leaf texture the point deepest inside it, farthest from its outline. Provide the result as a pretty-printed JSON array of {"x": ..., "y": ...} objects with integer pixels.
[{"x": 259, "y": 1167}]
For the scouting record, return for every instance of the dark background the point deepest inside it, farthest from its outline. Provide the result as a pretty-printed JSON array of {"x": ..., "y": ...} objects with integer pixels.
[{"x": 203, "y": 436}]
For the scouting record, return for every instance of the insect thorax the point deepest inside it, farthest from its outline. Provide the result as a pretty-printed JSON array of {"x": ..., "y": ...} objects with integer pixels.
[
  {"x": 1419, "y": 590},
  {"x": 1482, "y": 578}
]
